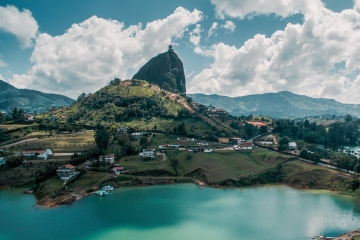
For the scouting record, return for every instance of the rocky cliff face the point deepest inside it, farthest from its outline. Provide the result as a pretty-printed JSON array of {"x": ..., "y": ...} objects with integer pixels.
[{"x": 165, "y": 70}]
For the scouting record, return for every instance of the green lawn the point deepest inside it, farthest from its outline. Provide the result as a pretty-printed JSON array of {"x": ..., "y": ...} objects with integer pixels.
[
  {"x": 136, "y": 162},
  {"x": 220, "y": 165},
  {"x": 80, "y": 141}
]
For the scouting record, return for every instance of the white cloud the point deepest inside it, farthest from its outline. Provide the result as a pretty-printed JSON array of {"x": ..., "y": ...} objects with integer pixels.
[
  {"x": 90, "y": 54},
  {"x": 230, "y": 26},
  {"x": 357, "y": 5},
  {"x": 283, "y": 8},
  {"x": 19, "y": 23},
  {"x": 195, "y": 35},
  {"x": 303, "y": 58},
  {"x": 212, "y": 30}
]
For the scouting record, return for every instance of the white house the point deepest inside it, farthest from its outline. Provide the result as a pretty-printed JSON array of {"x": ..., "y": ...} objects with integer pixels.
[
  {"x": 38, "y": 153},
  {"x": 118, "y": 170},
  {"x": 292, "y": 145},
  {"x": 208, "y": 150},
  {"x": 148, "y": 153},
  {"x": 65, "y": 172},
  {"x": 109, "y": 159}
]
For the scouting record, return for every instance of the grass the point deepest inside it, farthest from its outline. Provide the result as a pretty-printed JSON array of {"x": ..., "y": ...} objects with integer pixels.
[
  {"x": 73, "y": 142},
  {"x": 89, "y": 180},
  {"x": 6, "y": 127},
  {"x": 136, "y": 162},
  {"x": 220, "y": 165},
  {"x": 23, "y": 174}
]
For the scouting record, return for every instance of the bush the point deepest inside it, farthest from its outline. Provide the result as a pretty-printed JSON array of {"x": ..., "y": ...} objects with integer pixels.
[{"x": 14, "y": 161}]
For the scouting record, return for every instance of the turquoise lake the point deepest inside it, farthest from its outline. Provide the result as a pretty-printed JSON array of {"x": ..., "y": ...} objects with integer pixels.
[{"x": 182, "y": 212}]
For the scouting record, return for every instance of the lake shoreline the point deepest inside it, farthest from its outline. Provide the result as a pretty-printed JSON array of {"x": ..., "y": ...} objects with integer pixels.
[{"x": 69, "y": 197}]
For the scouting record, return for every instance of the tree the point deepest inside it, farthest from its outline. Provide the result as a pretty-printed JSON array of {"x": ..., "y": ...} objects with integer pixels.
[
  {"x": 14, "y": 161},
  {"x": 283, "y": 144},
  {"x": 102, "y": 137},
  {"x": 14, "y": 114},
  {"x": 20, "y": 115},
  {"x": 144, "y": 142},
  {"x": 348, "y": 118},
  {"x": 263, "y": 129}
]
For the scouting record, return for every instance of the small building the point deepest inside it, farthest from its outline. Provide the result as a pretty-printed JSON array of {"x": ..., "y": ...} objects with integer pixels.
[
  {"x": 164, "y": 146},
  {"x": 246, "y": 145},
  {"x": 87, "y": 165},
  {"x": 38, "y": 153},
  {"x": 2, "y": 161},
  {"x": 65, "y": 172},
  {"x": 223, "y": 140},
  {"x": 237, "y": 140},
  {"x": 182, "y": 148},
  {"x": 118, "y": 170},
  {"x": 148, "y": 153},
  {"x": 107, "y": 159},
  {"x": 208, "y": 150},
  {"x": 28, "y": 117},
  {"x": 122, "y": 131},
  {"x": 292, "y": 146},
  {"x": 266, "y": 143}
]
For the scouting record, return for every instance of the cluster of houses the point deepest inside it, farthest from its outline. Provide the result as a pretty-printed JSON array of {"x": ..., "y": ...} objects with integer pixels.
[
  {"x": 234, "y": 140},
  {"x": 216, "y": 112},
  {"x": 124, "y": 132}
]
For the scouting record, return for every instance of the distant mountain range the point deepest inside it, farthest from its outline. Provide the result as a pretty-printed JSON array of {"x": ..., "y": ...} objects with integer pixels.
[
  {"x": 29, "y": 100},
  {"x": 281, "y": 104}
]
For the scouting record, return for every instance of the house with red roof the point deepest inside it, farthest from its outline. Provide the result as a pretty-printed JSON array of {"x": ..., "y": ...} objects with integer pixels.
[{"x": 65, "y": 172}]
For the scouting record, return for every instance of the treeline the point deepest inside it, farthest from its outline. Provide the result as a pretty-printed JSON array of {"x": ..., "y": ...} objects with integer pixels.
[
  {"x": 61, "y": 127},
  {"x": 335, "y": 135}
]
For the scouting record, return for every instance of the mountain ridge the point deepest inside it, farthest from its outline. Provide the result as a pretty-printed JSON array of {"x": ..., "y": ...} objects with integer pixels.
[
  {"x": 29, "y": 100},
  {"x": 281, "y": 104}
]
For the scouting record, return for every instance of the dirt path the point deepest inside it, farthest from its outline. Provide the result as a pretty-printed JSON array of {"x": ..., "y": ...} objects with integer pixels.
[{"x": 15, "y": 143}]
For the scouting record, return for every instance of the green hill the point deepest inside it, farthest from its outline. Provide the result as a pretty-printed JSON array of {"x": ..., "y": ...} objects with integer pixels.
[
  {"x": 29, "y": 100},
  {"x": 134, "y": 103}
]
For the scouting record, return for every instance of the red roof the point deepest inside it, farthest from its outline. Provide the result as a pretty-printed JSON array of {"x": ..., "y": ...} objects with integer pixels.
[
  {"x": 69, "y": 166},
  {"x": 118, "y": 168},
  {"x": 34, "y": 151}
]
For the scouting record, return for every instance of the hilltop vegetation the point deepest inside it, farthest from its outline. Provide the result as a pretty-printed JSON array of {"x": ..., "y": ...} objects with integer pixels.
[{"x": 121, "y": 101}]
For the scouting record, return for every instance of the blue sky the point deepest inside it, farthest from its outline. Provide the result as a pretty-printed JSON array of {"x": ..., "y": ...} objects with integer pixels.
[{"x": 228, "y": 47}]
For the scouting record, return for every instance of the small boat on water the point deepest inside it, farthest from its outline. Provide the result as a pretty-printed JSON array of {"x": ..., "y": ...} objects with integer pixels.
[
  {"x": 102, "y": 193},
  {"x": 108, "y": 188}
]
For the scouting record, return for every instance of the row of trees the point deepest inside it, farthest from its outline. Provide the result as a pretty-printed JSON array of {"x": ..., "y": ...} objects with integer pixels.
[{"x": 334, "y": 136}]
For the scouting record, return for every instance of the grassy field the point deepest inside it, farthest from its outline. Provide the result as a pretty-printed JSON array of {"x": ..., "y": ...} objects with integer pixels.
[
  {"x": 136, "y": 162},
  {"x": 23, "y": 174},
  {"x": 220, "y": 165},
  {"x": 88, "y": 180},
  {"x": 6, "y": 127},
  {"x": 73, "y": 142}
]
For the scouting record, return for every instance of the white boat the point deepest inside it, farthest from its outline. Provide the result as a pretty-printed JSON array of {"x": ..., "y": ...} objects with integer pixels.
[
  {"x": 101, "y": 193},
  {"x": 108, "y": 188}
]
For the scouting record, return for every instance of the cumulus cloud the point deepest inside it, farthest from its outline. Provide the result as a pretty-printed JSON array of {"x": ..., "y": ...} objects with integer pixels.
[
  {"x": 230, "y": 26},
  {"x": 195, "y": 35},
  {"x": 90, "y": 54},
  {"x": 245, "y": 8},
  {"x": 303, "y": 58},
  {"x": 19, "y": 23},
  {"x": 212, "y": 30},
  {"x": 357, "y": 5}
]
